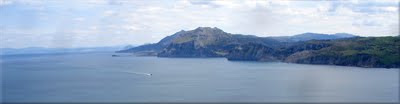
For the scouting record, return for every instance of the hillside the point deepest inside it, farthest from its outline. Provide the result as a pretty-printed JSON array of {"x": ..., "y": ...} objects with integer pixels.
[
  {"x": 207, "y": 36},
  {"x": 308, "y": 48},
  {"x": 363, "y": 52}
]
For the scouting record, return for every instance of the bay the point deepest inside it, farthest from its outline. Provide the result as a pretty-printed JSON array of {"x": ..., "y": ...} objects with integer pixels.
[{"x": 98, "y": 77}]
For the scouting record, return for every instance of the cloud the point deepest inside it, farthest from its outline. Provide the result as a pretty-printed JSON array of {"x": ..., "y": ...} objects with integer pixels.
[
  {"x": 82, "y": 23},
  {"x": 5, "y": 2},
  {"x": 109, "y": 13},
  {"x": 390, "y": 9},
  {"x": 79, "y": 19}
]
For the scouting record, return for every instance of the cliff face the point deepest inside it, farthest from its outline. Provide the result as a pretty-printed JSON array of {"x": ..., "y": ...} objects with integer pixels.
[
  {"x": 362, "y": 52},
  {"x": 252, "y": 52},
  {"x": 187, "y": 49},
  {"x": 361, "y": 60},
  {"x": 260, "y": 52},
  {"x": 383, "y": 52}
]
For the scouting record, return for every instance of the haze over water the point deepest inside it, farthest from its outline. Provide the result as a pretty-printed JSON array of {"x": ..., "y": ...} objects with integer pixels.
[{"x": 98, "y": 77}]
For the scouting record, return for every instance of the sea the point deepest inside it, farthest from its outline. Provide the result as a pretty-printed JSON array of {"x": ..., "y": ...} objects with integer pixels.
[{"x": 99, "y": 77}]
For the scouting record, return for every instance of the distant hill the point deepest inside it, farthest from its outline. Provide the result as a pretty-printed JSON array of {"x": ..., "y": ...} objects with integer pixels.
[
  {"x": 41, "y": 50},
  {"x": 308, "y": 48},
  {"x": 313, "y": 36}
]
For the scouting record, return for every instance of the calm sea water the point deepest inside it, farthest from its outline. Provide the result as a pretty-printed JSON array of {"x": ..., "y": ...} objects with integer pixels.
[{"x": 98, "y": 77}]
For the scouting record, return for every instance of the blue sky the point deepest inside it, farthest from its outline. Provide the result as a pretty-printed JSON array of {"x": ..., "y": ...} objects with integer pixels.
[{"x": 91, "y": 23}]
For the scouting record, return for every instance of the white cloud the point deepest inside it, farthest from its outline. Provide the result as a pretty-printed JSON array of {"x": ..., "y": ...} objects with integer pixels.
[
  {"x": 104, "y": 22},
  {"x": 28, "y": 2},
  {"x": 132, "y": 28},
  {"x": 5, "y": 2},
  {"x": 109, "y": 13},
  {"x": 95, "y": 2},
  {"x": 391, "y": 9},
  {"x": 79, "y": 19}
]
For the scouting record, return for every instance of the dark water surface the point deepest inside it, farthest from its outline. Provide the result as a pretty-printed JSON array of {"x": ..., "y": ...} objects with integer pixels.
[{"x": 98, "y": 77}]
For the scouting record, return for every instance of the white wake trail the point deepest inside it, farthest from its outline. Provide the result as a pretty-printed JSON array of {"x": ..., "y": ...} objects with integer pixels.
[{"x": 139, "y": 73}]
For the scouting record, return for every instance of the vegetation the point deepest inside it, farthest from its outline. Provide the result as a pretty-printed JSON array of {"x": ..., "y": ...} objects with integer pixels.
[
  {"x": 309, "y": 48},
  {"x": 362, "y": 51}
]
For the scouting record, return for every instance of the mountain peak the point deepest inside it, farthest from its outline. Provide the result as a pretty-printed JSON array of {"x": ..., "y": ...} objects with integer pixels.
[
  {"x": 202, "y": 36},
  {"x": 207, "y": 29}
]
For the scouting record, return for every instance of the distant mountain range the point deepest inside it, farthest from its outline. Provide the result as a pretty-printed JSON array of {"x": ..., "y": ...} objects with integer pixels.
[
  {"x": 308, "y": 48},
  {"x": 41, "y": 50},
  {"x": 313, "y": 36}
]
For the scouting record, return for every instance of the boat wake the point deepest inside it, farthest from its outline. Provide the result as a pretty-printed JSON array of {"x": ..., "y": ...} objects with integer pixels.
[{"x": 139, "y": 73}]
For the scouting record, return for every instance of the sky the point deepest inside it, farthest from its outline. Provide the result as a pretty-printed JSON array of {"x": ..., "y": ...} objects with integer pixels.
[{"x": 92, "y": 23}]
